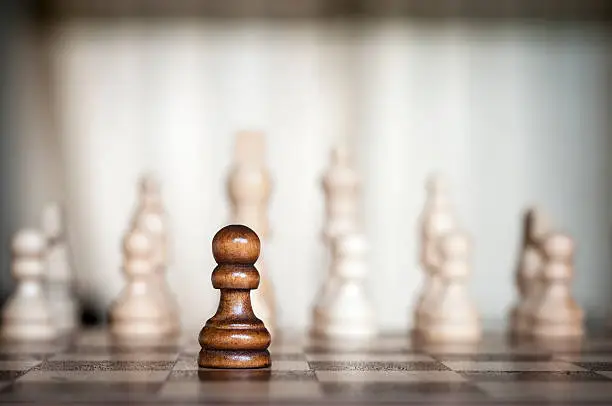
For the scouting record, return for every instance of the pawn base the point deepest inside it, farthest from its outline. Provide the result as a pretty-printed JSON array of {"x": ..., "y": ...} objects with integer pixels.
[{"x": 234, "y": 359}]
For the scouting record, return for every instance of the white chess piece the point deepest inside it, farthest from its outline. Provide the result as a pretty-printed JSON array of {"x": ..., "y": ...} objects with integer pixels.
[
  {"x": 249, "y": 190},
  {"x": 343, "y": 309},
  {"x": 557, "y": 315},
  {"x": 437, "y": 219},
  {"x": 341, "y": 186},
  {"x": 27, "y": 315},
  {"x": 138, "y": 313},
  {"x": 535, "y": 226},
  {"x": 150, "y": 217},
  {"x": 60, "y": 286},
  {"x": 453, "y": 316}
]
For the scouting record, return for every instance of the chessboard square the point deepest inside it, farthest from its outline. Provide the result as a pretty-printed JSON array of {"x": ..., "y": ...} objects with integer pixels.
[
  {"x": 595, "y": 366},
  {"x": 241, "y": 391},
  {"x": 71, "y": 392},
  {"x": 290, "y": 366},
  {"x": 511, "y": 366},
  {"x": 375, "y": 347},
  {"x": 106, "y": 365},
  {"x": 186, "y": 364},
  {"x": 293, "y": 376},
  {"x": 575, "y": 358},
  {"x": 533, "y": 376},
  {"x": 10, "y": 375},
  {"x": 427, "y": 392},
  {"x": 18, "y": 365},
  {"x": 116, "y": 357},
  {"x": 375, "y": 366},
  {"x": 388, "y": 376},
  {"x": 562, "y": 392},
  {"x": 495, "y": 357},
  {"x": 368, "y": 357},
  {"x": 607, "y": 374},
  {"x": 124, "y": 349},
  {"x": 94, "y": 376}
]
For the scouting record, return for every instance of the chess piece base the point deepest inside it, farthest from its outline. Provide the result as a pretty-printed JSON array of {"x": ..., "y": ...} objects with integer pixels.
[
  {"x": 234, "y": 359},
  {"x": 27, "y": 332}
]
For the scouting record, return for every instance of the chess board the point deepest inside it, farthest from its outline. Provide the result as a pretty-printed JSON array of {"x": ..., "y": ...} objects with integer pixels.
[{"x": 90, "y": 369}]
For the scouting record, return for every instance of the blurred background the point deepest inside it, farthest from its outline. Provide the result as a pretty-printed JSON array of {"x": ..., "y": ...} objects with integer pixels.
[{"x": 511, "y": 99}]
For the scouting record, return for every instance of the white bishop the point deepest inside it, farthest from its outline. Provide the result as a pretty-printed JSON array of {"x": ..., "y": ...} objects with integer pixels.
[{"x": 343, "y": 309}]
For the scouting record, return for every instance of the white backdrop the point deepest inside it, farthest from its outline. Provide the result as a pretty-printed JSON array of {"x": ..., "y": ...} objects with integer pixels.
[{"x": 513, "y": 113}]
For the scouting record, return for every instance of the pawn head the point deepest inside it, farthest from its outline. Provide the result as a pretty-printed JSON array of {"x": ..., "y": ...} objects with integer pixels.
[
  {"x": 536, "y": 223},
  {"x": 149, "y": 185},
  {"x": 28, "y": 243},
  {"x": 436, "y": 183},
  {"x": 455, "y": 244},
  {"x": 236, "y": 244},
  {"x": 137, "y": 244},
  {"x": 340, "y": 154},
  {"x": 558, "y": 245}
]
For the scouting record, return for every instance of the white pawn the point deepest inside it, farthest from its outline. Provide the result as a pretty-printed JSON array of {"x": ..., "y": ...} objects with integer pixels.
[
  {"x": 138, "y": 312},
  {"x": 249, "y": 188},
  {"x": 151, "y": 217},
  {"x": 454, "y": 317},
  {"x": 535, "y": 226},
  {"x": 341, "y": 186},
  {"x": 343, "y": 309},
  {"x": 437, "y": 219},
  {"x": 557, "y": 315},
  {"x": 27, "y": 316},
  {"x": 60, "y": 287}
]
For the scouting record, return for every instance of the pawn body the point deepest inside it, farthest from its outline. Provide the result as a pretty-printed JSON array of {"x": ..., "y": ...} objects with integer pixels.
[
  {"x": 343, "y": 310},
  {"x": 150, "y": 217},
  {"x": 139, "y": 311},
  {"x": 557, "y": 315},
  {"x": 27, "y": 315},
  {"x": 453, "y": 318},
  {"x": 234, "y": 337}
]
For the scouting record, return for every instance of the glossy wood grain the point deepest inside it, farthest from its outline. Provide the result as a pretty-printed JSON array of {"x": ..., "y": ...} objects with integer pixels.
[{"x": 234, "y": 337}]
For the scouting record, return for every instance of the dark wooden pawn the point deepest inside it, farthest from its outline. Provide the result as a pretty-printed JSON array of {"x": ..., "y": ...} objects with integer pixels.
[{"x": 234, "y": 337}]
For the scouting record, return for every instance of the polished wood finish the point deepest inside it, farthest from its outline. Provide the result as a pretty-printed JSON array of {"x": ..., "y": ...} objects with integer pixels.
[{"x": 234, "y": 337}]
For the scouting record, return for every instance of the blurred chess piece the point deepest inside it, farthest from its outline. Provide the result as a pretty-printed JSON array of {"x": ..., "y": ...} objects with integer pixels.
[
  {"x": 150, "y": 217},
  {"x": 437, "y": 219},
  {"x": 138, "y": 312},
  {"x": 27, "y": 314},
  {"x": 60, "y": 286},
  {"x": 343, "y": 309},
  {"x": 528, "y": 273},
  {"x": 341, "y": 185},
  {"x": 453, "y": 317},
  {"x": 557, "y": 316},
  {"x": 249, "y": 190}
]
